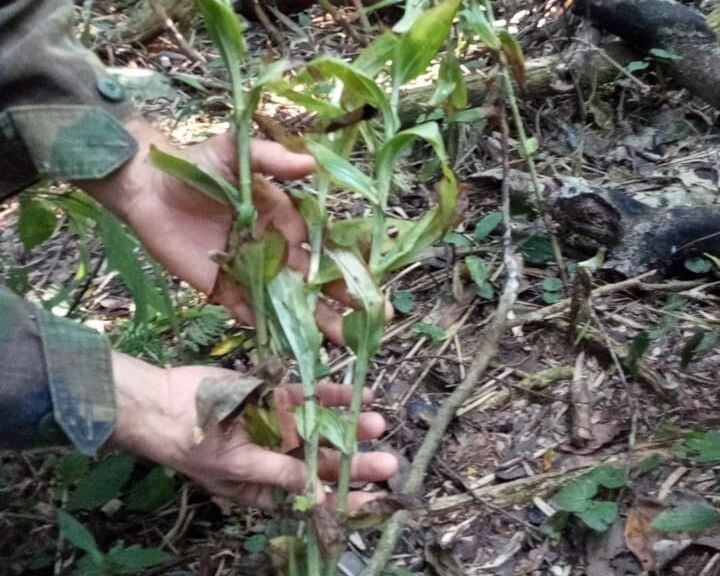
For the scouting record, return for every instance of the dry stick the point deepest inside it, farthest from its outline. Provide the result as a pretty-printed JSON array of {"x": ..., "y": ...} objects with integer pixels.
[
  {"x": 339, "y": 17},
  {"x": 445, "y": 415},
  {"x": 268, "y": 25},
  {"x": 363, "y": 16},
  {"x": 168, "y": 23},
  {"x": 542, "y": 313}
]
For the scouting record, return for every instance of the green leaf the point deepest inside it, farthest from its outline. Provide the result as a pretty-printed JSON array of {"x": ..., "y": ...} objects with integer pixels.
[
  {"x": 701, "y": 447},
  {"x": 554, "y": 526},
  {"x": 362, "y": 328},
  {"x": 421, "y": 43},
  {"x": 123, "y": 253},
  {"x": 387, "y": 156},
  {"x": 608, "y": 476},
  {"x": 664, "y": 54},
  {"x": 255, "y": 543},
  {"x": 330, "y": 426},
  {"x": 342, "y": 173},
  {"x": 552, "y": 284},
  {"x": 372, "y": 58},
  {"x": 450, "y": 86},
  {"x": 637, "y": 66},
  {"x": 651, "y": 463},
  {"x": 413, "y": 10},
  {"x": 455, "y": 239},
  {"x": 294, "y": 305},
  {"x": 474, "y": 18},
  {"x": 72, "y": 467},
  {"x": 403, "y": 301},
  {"x": 359, "y": 87},
  {"x": 155, "y": 490},
  {"x": 136, "y": 559},
  {"x": 576, "y": 496},
  {"x": 207, "y": 182},
  {"x": 79, "y": 536},
  {"x": 695, "y": 517},
  {"x": 537, "y": 249},
  {"x": 516, "y": 59},
  {"x": 698, "y": 265},
  {"x": 478, "y": 272},
  {"x": 37, "y": 221},
  {"x": 599, "y": 515},
  {"x": 436, "y": 334},
  {"x": 701, "y": 341},
  {"x": 476, "y": 115},
  {"x": 423, "y": 233},
  {"x": 487, "y": 225},
  {"x": 262, "y": 426},
  {"x": 636, "y": 351},
  {"x": 551, "y": 297},
  {"x": 226, "y": 31},
  {"x": 103, "y": 483}
]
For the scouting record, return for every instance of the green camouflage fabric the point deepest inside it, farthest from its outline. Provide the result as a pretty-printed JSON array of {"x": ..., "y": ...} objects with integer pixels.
[
  {"x": 61, "y": 112},
  {"x": 56, "y": 382},
  {"x": 61, "y": 116}
]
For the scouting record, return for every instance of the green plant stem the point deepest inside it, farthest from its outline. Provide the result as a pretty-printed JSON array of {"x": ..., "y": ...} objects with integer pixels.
[
  {"x": 378, "y": 238},
  {"x": 526, "y": 154},
  {"x": 360, "y": 370},
  {"x": 316, "y": 232}
]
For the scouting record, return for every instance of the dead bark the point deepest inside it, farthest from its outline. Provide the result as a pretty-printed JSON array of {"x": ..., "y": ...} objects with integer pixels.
[
  {"x": 143, "y": 23},
  {"x": 671, "y": 26}
]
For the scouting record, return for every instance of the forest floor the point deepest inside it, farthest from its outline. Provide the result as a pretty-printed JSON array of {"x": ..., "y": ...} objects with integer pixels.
[{"x": 515, "y": 442}]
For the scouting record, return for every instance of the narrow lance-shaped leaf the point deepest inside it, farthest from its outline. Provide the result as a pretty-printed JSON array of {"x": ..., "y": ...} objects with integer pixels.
[
  {"x": 294, "y": 307},
  {"x": 413, "y": 10},
  {"x": 78, "y": 535},
  {"x": 374, "y": 57},
  {"x": 362, "y": 328},
  {"x": 207, "y": 182},
  {"x": 430, "y": 228},
  {"x": 451, "y": 88},
  {"x": 226, "y": 31},
  {"x": 421, "y": 43},
  {"x": 475, "y": 19},
  {"x": 359, "y": 87},
  {"x": 342, "y": 173},
  {"x": 430, "y": 132}
]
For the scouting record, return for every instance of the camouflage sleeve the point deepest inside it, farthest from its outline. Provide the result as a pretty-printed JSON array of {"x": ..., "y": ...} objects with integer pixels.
[
  {"x": 56, "y": 383},
  {"x": 61, "y": 113}
]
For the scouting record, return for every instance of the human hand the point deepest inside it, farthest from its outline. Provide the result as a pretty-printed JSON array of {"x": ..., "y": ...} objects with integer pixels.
[
  {"x": 181, "y": 227},
  {"x": 157, "y": 419}
]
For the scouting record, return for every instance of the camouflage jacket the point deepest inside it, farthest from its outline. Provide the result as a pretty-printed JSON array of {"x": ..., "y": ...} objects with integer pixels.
[{"x": 61, "y": 116}]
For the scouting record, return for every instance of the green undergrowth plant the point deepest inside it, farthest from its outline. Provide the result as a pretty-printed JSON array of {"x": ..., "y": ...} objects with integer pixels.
[{"x": 345, "y": 97}]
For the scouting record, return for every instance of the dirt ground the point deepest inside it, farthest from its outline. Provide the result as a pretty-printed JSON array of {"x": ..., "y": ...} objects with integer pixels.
[{"x": 514, "y": 442}]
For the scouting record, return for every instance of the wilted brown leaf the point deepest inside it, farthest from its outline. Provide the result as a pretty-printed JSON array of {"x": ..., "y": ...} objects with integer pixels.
[{"x": 380, "y": 509}]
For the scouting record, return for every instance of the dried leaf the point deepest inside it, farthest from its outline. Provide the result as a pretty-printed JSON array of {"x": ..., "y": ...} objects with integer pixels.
[
  {"x": 218, "y": 398},
  {"x": 328, "y": 530},
  {"x": 381, "y": 509}
]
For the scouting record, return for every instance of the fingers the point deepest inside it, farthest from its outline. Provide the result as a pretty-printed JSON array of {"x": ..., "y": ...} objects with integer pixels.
[
  {"x": 330, "y": 322},
  {"x": 273, "y": 159},
  {"x": 330, "y": 395},
  {"x": 356, "y": 499},
  {"x": 275, "y": 469},
  {"x": 366, "y": 466}
]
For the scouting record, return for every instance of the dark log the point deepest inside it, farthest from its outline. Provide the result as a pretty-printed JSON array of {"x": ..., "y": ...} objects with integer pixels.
[
  {"x": 671, "y": 26},
  {"x": 637, "y": 237}
]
